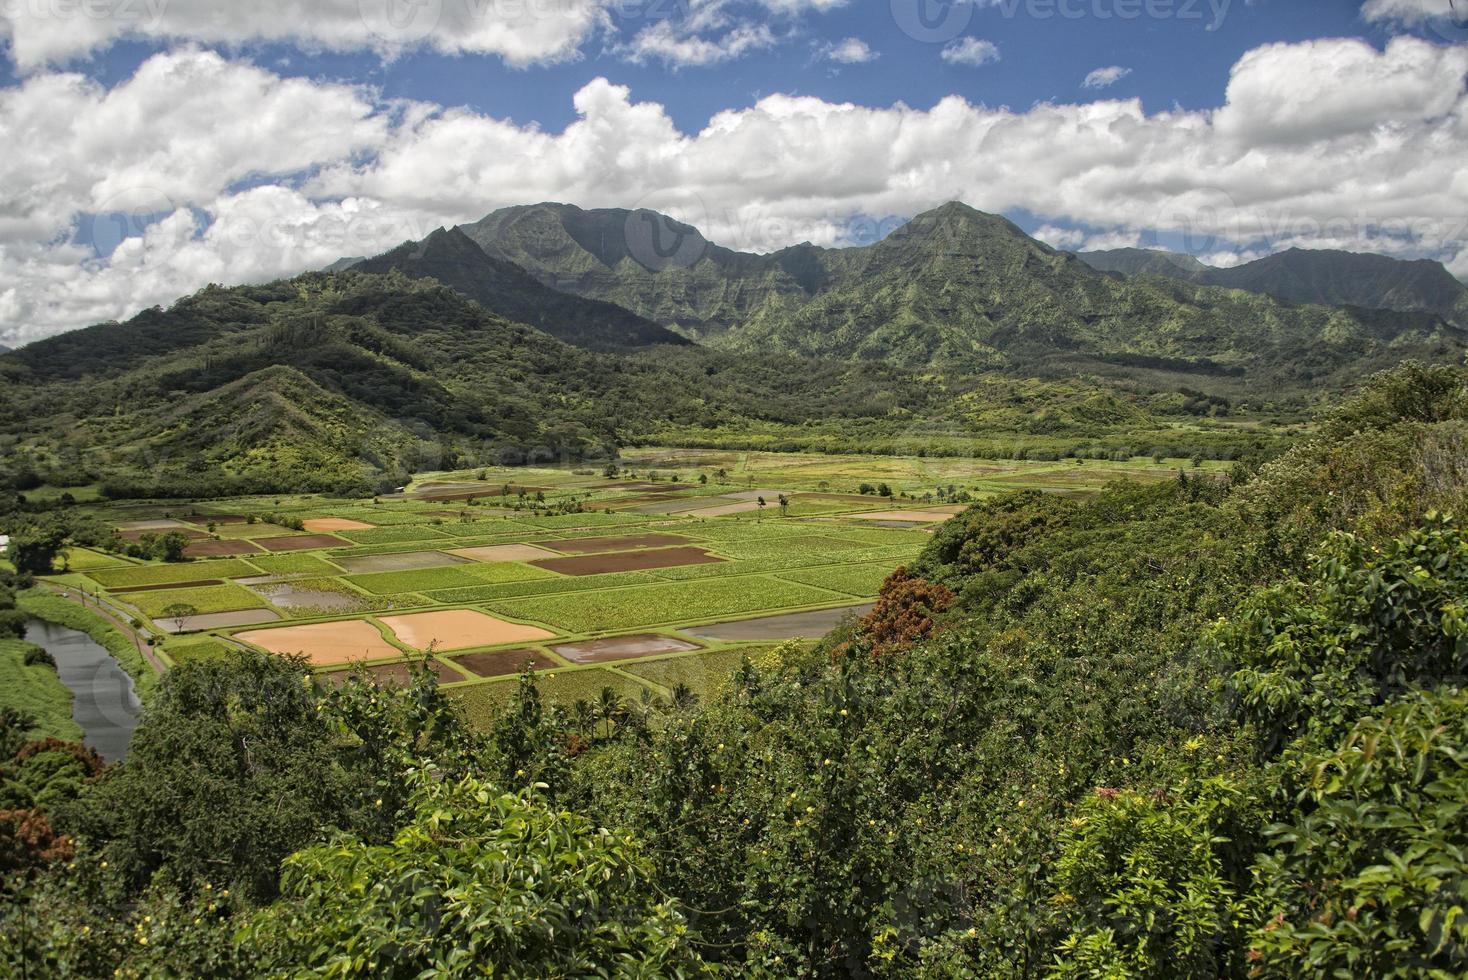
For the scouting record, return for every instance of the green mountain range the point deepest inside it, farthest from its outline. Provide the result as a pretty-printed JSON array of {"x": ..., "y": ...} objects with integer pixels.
[
  {"x": 1324, "y": 276},
  {"x": 956, "y": 334},
  {"x": 955, "y": 290}
]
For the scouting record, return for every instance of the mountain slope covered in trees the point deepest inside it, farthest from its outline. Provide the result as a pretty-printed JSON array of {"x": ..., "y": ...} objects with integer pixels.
[{"x": 506, "y": 290}]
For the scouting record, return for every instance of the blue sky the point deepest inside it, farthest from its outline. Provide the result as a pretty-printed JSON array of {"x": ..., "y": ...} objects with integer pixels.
[
  {"x": 1180, "y": 59},
  {"x": 214, "y": 141}
]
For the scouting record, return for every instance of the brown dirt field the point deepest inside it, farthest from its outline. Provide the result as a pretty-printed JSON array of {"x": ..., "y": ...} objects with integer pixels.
[
  {"x": 459, "y": 629},
  {"x": 220, "y": 549},
  {"x": 622, "y": 648},
  {"x": 210, "y": 621},
  {"x": 325, "y": 643},
  {"x": 917, "y": 516},
  {"x": 644, "y": 487},
  {"x": 504, "y": 662},
  {"x": 837, "y": 498},
  {"x": 683, "y": 505},
  {"x": 594, "y": 546},
  {"x": 724, "y": 510},
  {"x": 221, "y": 518},
  {"x": 505, "y": 552},
  {"x": 772, "y": 497},
  {"x": 335, "y": 524},
  {"x": 631, "y": 503},
  {"x": 448, "y": 497},
  {"x": 628, "y": 561},
  {"x": 394, "y": 675},
  {"x": 170, "y": 585},
  {"x": 303, "y": 542}
]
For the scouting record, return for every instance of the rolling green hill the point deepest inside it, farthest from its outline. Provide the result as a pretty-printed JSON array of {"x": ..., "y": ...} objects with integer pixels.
[
  {"x": 647, "y": 262},
  {"x": 954, "y": 289},
  {"x": 351, "y": 382}
]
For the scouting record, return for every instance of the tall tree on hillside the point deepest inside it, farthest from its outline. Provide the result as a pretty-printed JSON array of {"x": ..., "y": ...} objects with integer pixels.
[{"x": 609, "y": 708}]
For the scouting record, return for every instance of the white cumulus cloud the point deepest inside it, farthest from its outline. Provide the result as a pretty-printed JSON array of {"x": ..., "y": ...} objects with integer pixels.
[
  {"x": 971, "y": 51},
  {"x": 1105, "y": 77},
  {"x": 48, "y": 31},
  {"x": 851, "y": 51}
]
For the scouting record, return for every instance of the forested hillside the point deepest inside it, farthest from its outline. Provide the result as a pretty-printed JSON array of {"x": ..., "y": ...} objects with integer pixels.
[
  {"x": 1212, "y": 728},
  {"x": 351, "y": 382},
  {"x": 506, "y": 290}
]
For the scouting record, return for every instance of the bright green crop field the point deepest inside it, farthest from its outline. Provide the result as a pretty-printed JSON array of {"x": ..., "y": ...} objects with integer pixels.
[{"x": 453, "y": 559}]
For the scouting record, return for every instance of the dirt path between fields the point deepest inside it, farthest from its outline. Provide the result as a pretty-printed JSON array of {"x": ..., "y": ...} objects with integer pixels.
[{"x": 115, "y": 617}]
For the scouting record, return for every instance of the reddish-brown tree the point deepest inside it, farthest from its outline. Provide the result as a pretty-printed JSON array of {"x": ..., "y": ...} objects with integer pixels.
[
  {"x": 28, "y": 840},
  {"x": 906, "y": 612}
]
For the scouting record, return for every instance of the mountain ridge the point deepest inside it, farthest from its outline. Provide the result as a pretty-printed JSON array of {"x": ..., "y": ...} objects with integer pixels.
[
  {"x": 1310, "y": 276},
  {"x": 953, "y": 288}
]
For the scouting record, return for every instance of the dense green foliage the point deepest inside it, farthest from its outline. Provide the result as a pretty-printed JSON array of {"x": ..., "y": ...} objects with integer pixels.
[
  {"x": 1208, "y": 728},
  {"x": 476, "y": 882}
]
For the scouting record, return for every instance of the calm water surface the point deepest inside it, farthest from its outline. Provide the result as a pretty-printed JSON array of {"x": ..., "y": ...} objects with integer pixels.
[{"x": 105, "y": 704}]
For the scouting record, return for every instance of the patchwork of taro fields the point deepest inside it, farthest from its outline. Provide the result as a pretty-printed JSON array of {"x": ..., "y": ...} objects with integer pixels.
[{"x": 650, "y": 584}]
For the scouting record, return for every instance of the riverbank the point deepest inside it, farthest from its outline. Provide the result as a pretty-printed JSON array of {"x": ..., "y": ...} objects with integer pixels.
[
  {"x": 116, "y": 636},
  {"x": 37, "y": 690}
]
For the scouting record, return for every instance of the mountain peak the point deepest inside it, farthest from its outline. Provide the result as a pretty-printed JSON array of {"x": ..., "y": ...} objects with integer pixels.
[
  {"x": 955, "y": 217},
  {"x": 456, "y": 260}
]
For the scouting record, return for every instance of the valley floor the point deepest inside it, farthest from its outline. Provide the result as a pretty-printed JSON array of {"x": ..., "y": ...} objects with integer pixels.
[{"x": 661, "y": 575}]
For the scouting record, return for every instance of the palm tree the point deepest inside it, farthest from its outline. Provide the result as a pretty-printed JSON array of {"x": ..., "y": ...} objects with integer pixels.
[
  {"x": 683, "y": 697},
  {"x": 609, "y": 708},
  {"x": 585, "y": 715}
]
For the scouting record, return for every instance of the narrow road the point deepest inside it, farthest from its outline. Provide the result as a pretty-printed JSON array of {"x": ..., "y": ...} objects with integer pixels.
[{"x": 116, "y": 617}]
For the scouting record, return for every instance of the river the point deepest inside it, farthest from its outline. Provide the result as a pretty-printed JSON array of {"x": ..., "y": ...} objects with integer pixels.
[{"x": 105, "y": 704}]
